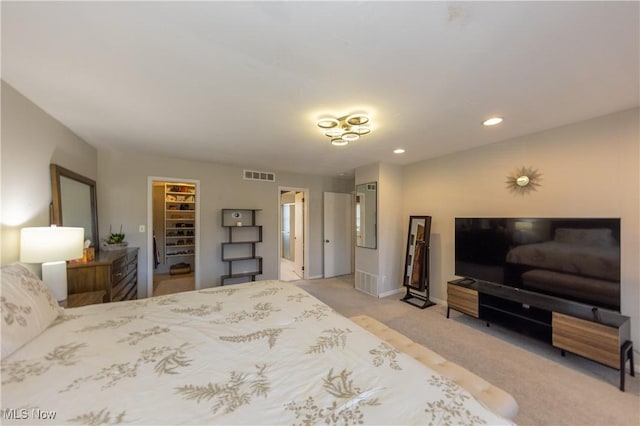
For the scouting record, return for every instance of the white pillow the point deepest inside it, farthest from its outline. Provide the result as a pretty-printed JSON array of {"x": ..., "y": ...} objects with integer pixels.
[{"x": 28, "y": 307}]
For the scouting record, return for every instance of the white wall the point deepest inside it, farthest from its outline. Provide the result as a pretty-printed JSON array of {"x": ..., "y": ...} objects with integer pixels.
[
  {"x": 393, "y": 227},
  {"x": 122, "y": 191},
  {"x": 31, "y": 140},
  {"x": 589, "y": 169},
  {"x": 387, "y": 259}
]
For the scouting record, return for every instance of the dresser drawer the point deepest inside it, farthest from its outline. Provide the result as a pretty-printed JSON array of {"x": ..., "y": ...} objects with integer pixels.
[
  {"x": 118, "y": 269},
  {"x": 122, "y": 289},
  {"x": 113, "y": 272},
  {"x": 462, "y": 299},
  {"x": 590, "y": 339}
]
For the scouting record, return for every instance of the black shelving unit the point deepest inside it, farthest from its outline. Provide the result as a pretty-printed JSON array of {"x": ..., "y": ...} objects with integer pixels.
[{"x": 239, "y": 251}]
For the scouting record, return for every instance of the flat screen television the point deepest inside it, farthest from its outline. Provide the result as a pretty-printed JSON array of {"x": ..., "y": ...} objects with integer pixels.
[{"x": 574, "y": 259}]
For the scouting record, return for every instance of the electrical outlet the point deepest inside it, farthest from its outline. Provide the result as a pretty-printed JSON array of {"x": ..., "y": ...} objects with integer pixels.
[{"x": 141, "y": 229}]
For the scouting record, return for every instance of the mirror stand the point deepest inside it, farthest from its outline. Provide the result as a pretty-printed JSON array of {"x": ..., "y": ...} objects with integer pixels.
[{"x": 416, "y": 266}]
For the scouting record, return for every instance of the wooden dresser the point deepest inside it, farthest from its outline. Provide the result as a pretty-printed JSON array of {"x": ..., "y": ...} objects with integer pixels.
[{"x": 115, "y": 273}]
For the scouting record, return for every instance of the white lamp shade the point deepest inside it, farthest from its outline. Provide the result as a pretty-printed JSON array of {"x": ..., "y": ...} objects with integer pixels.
[{"x": 50, "y": 244}]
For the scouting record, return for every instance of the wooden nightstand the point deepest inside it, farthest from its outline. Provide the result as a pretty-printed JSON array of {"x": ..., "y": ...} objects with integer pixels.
[{"x": 86, "y": 298}]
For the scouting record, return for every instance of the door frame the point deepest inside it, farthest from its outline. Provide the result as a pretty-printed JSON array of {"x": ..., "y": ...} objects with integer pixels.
[
  {"x": 150, "y": 254},
  {"x": 305, "y": 215}
]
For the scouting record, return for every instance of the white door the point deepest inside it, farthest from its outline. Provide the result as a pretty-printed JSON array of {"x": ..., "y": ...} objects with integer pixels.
[
  {"x": 298, "y": 257},
  {"x": 337, "y": 234}
]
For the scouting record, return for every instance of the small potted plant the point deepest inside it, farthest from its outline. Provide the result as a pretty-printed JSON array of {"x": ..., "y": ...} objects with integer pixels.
[{"x": 115, "y": 241}]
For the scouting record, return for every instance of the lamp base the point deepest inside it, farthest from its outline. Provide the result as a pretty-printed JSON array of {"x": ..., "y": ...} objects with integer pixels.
[{"x": 54, "y": 275}]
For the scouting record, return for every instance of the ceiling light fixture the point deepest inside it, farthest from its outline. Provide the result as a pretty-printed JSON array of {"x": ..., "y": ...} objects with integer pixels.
[
  {"x": 357, "y": 119},
  {"x": 334, "y": 133},
  {"x": 327, "y": 123},
  {"x": 492, "y": 121},
  {"x": 398, "y": 151},
  {"x": 342, "y": 130},
  {"x": 350, "y": 136}
]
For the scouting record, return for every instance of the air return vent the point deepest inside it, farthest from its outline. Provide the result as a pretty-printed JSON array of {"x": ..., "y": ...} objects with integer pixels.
[
  {"x": 263, "y": 176},
  {"x": 371, "y": 187},
  {"x": 366, "y": 282}
]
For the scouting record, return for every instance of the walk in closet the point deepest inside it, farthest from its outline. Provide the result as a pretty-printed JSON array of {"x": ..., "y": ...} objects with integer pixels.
[{"x": 174, "y": 233}]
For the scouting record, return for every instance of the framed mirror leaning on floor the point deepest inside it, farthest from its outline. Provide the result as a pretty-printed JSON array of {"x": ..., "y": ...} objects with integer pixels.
[{"x": 416, "y": 265}]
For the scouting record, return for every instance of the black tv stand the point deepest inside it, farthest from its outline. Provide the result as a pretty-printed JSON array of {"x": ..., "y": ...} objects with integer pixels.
[
  {"x": 594, "y": 333},
  {"x": 528, "y": 320}
]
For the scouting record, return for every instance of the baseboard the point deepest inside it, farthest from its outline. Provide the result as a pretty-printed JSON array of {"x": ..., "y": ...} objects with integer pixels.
[
  {"x": 438, "y": 301},
  {"x": 316, "y": 277},
  {"x": 402, "y": 290},
  {"x": 390, "y": 292}
]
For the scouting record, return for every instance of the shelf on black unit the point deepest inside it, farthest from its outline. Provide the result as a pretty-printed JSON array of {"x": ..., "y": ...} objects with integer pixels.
[
  {"x": 516, "y": 315},
  {"x": 241, "y": 242},
  {"x": 234, "y": 220},
  {"x": 237, "y": 259},
  {"x": 241, "y": 275}
]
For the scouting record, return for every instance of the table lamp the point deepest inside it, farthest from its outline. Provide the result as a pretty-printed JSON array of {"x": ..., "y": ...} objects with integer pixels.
[{"x": 52, "y": 246}]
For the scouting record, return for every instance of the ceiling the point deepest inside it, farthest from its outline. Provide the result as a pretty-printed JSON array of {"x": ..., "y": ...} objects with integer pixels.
[{"x": 243, "y": 83}]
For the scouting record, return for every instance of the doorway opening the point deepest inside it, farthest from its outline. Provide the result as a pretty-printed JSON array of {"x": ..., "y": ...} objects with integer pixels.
[
  {"x": 173, "y": 221},
  {"x": 293, "y": 226}
]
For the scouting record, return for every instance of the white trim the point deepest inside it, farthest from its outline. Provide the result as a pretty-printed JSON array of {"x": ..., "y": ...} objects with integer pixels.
[
  {"x": 150, "y": 254},
  {"x": 316, "y": 277},
  {"x": 390, "y": 292},
  {"x": 305, "y": 191},
  {"x": 438, "y": 301}
]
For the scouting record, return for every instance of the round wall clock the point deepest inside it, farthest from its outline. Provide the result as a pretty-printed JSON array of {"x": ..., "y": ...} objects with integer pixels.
[{"x": 523, "y": 180}]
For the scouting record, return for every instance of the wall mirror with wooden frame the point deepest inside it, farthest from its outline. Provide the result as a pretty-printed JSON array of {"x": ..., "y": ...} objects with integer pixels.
[{"x": 74, "y": 202}]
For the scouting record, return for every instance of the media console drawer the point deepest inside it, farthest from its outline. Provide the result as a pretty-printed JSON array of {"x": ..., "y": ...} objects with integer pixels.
[
  {"x": 595, "y": 341},
  {"x": 462, "y": 299}
]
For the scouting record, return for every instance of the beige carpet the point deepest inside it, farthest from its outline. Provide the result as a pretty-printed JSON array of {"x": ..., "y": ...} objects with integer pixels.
[
  {"x": 550, "y": 389},
  {"x": 169, "y": 284}
]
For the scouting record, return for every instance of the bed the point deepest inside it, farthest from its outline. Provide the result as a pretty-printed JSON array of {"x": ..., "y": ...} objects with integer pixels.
[{"x": 264, "y": 352}]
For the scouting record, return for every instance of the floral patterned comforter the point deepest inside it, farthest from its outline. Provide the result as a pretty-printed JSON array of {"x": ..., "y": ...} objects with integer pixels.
[{"x": 257, "y": 353}]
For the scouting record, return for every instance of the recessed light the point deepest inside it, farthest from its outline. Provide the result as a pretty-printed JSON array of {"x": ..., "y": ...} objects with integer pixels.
[
  {"x": 492, "y": 121},
  {"x": 398, "y": 151}
]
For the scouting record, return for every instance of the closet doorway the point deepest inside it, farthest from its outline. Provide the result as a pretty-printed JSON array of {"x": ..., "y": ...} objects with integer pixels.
[
  {"x": 293, "y": 226},
  {"x": 173, "y": 222}
]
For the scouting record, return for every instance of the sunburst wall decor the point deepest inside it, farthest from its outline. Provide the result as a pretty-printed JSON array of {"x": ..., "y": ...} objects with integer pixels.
[{"x": 524, "y": 180}]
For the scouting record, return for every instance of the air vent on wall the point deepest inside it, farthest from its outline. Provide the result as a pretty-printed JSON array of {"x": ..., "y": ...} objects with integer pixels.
[
  {"x": 371, "y": 187},
  {"x": 263, "y": 176}
]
